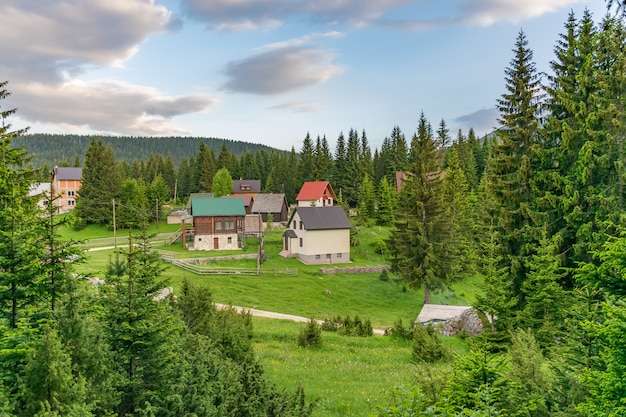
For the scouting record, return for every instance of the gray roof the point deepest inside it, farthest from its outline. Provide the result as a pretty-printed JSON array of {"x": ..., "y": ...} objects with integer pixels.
[
  {"x": 38, "y": 188},
  {"x": 323, "y": 218},
  {"x": 269, "y": 203},
  {"x": 289, "y": 233},
  {"x": 68, "y": 173},
  {"x": 438, "y": 312}
]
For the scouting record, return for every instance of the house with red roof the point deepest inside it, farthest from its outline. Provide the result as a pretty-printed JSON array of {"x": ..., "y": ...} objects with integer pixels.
[{"x": 316, "y": 194}]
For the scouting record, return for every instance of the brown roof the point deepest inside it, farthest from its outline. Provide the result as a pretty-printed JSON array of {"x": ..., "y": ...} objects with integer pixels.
[
  {"x": 246, "y": 186},
  {"x": 269, "y": 203}
]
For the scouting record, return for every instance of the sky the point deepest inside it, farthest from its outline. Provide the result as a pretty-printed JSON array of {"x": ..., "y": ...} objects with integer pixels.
[{"x": 267, "y": 71}]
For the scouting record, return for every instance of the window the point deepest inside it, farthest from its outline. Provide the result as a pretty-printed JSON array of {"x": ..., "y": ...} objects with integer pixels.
[
  {"x": 294, "y": 224},
  {"x": 229, "y": 225},
  {"x": 338, "y": 255},
  {"x": 318, "y": 257},
  {"x": 70, "y": 202},
  {"x": 230, "y": 240},
  {"x": 45, "y": 202},
  {"x": 218, "y": 225},
  {"x": 328, "y": 256},
  {"x": 244, "y": 187},
  {"x": 300, "y": 242},
  {"x": 300, "y": 224},
  {"x": 71, "y": 193}
]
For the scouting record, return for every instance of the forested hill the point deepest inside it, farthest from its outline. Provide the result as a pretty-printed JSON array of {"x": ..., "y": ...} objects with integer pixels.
[{"x": 51, "y": 150}]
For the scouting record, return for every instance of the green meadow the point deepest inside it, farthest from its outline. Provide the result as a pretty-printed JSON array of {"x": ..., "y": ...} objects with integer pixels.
[{"x": 349, "y": 376}]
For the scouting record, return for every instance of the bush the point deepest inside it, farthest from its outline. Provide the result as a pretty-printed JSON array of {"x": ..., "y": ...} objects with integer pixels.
[
  {"x": 384, "y": 275},
  {"x": 398, "y": 330},
  {"x": 427, "y": 347},
  {"x": 310, "y": 335},
  {"x": 332, "y": 324}
]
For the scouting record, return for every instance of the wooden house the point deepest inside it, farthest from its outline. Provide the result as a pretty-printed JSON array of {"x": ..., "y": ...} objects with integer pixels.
[
  {"x": 318, "y": 235},
  {"x": 218, "y": 223},
  {"x": 274, "y": 204}
]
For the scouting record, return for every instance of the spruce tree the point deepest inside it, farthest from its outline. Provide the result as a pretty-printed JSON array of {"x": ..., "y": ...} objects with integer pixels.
[
  {"x": 100, "y": 185},
  {"x": 204, "y": 169},
  {"x": 420, "y": 247},
  {"x": 306, "y": 162},
  {"x": 513, "y": 164}
]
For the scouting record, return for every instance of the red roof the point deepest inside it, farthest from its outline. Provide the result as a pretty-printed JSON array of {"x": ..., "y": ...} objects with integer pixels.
[{"x": 314, "y": 190}]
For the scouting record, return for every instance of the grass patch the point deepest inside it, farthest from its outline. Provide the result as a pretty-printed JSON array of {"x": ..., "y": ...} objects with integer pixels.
[{"x": 349, "y": 375}]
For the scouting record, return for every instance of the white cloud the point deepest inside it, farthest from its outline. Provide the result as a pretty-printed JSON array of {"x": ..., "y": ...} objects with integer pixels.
[
  {"x": 302, "y": 40},
  {"x": 107, "y": 106},
  {"x": 281, "y": 70},
  {"x": 488, "y": 12},
  {"x": 254, "y": 14},
  {"x": 48, "y": 40},
  {"x": 298, "y": 106}
]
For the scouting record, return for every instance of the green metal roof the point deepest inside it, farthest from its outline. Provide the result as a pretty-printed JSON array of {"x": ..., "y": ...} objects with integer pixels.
[{"x": 206, "y": 206}]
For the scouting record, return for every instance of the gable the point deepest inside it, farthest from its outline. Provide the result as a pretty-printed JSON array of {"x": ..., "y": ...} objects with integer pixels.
[
  {"x": 314, "y": 190},
  {"x": 246, "y": 186}
]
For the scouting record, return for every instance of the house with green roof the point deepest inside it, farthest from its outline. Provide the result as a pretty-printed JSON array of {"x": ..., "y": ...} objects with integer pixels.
[{"x": 218, "y": 223}]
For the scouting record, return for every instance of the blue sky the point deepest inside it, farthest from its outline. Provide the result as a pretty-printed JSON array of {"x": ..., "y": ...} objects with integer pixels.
[{"x": 267, "y": 71}]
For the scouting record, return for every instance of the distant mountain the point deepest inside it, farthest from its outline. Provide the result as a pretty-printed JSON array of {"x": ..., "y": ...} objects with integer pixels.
[{"x": 51, "y": 150}]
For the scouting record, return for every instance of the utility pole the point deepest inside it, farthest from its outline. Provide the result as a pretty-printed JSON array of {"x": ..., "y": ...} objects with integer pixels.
[{"x": 114, "y": 228}]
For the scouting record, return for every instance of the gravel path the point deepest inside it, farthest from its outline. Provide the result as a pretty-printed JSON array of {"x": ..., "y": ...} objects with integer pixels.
[{"x": 280, "y": 316}]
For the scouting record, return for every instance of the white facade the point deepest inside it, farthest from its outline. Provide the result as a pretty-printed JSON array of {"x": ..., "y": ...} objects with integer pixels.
[{"x": 326, "y": 246}]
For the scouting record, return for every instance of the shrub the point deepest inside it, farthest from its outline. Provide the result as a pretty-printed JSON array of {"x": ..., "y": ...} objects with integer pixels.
[
  {"x": 427, "y": 346},
  {"x": 332, "y": 324},
  {"x": 384, "y": 275},
  {"x": 398, "y": 330},
  {"x": 310, "y": 335}
]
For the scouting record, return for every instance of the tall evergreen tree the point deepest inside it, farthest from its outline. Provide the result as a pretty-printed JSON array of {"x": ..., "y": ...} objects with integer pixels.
[
  {"x": 512, "y": 165},
  {"x": 204, "y": 169},
  {"x": 339, "y": 178},
  {"x": 306, "y": 163},
  {"x": 419, "y": 244},
  {"x": 353, "y": 169},
  {"x": 100, "y": 185}
]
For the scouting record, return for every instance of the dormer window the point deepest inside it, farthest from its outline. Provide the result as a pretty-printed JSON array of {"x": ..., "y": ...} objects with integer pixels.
[{"x": 244, "y": 187}]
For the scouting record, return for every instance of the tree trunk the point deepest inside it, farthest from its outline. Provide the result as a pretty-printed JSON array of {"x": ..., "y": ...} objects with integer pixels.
[{"x": 426, "y": 294}]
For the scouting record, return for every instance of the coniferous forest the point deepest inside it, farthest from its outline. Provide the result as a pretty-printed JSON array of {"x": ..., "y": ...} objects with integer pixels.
[{"x": 535, "y": 209}]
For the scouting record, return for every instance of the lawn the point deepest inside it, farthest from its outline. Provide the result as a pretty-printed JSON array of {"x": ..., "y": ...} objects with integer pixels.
[
  {"x": 311, "y": 293},
  {"x": 349, "y": 375}
]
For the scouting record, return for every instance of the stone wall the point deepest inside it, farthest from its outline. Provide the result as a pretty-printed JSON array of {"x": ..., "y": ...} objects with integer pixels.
[{"x": 377, "y": 269}]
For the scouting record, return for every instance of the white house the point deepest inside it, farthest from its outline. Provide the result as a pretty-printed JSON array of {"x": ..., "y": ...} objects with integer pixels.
[{"x": 318, "y": 235}]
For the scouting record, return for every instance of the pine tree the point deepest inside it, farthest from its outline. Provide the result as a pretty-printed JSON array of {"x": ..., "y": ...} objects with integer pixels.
[
  {"x": 367, "y": 199},
  {"x": 100, "y": 185},
  {"x": 339, "y": 177},
  {"x": 386, "y": 203},
  {"x": 366, "y": 162},
  {"x": 513, "y": 164},
  {"x": 421, "y": 251},
  {"x": 140, "y": 329},
  {"x": 50, "y": 387},
  {"x": 306, "y": 163},
  {"x": 204, "y": 169},
  {"x": 157, "y": 193},
  {"x": 353, "y": 169}
]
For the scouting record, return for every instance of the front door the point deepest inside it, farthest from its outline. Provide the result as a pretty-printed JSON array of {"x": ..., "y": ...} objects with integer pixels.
[{"x": 216, "y": 243}]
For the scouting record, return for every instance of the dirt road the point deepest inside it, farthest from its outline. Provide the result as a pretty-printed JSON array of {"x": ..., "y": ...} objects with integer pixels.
[{"x": 281, "y": 316}]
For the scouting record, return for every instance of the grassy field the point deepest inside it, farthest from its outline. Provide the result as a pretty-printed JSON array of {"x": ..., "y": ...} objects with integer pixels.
[{"x": 349, "y": 375}]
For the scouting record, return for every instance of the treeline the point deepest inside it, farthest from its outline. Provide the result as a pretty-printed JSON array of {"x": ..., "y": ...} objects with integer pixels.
[
  {"x": 120, "y": 345},
  {"x": 66, "y": 150},
  {"x": 543, "y": 225}
]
